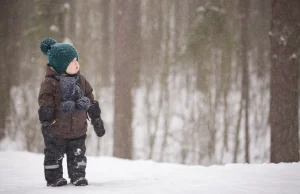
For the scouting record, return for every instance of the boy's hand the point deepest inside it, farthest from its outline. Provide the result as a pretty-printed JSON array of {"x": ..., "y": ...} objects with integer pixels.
[
  {"x": 98, "y": 127},
  {"x": 94, "y": 110},
  {"x": 46, "y": 128}
]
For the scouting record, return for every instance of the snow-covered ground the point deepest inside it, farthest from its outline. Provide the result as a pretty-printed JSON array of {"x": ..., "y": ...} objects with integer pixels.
[{"x": 22, "y": 172}]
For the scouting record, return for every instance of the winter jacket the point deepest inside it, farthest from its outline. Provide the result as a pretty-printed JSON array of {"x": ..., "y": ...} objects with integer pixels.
[{"x": 50, "y": 98}]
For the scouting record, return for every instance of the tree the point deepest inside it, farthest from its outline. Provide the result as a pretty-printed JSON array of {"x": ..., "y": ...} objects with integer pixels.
[
  {"x": 106, "y": 71},
  {"x": 123, "y": 142},
  {"x": 245, "y": 5},
  {"x": 11, "y": 28},
  {"x": 285, "y": 40},
  {"x": 4, "y": 78}
]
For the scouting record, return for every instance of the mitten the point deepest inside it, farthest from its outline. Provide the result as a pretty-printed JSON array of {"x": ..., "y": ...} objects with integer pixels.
[
  {"x": 46, "y": 117},
  {"x": 46, "y": 114},
  {"x": 46, "y": 128},
  {"x": 98, "y": 127},
  {"x": 94, "y": 112}
]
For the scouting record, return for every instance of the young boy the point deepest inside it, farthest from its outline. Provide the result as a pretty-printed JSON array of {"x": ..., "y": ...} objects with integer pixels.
[{"x": 65, "y": 100}]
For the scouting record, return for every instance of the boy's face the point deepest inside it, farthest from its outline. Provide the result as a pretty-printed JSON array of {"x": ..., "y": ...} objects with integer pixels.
[{"x": 73, "y": 67}]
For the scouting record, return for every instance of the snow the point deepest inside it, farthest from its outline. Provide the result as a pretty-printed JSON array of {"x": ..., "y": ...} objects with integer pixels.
[
  {"x": 283, "y": 40},
  {"x": 293, "y": 56},
  {"x": 67, "y": 6},
  {"x": 22, "y": 172},
  {"x": 54, "y": 28}
]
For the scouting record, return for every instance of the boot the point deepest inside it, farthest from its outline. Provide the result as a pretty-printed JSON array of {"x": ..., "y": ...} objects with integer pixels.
[
  {"x": 57, "y": 183},
  {"x": 80, "y": 182}
]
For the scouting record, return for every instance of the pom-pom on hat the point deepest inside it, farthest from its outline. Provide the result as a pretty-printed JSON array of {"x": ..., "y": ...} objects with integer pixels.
[{"x": 60, "y": 55}]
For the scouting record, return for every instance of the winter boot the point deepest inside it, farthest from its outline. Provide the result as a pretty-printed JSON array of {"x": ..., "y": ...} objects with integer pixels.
[
  {"x": 80, "y": 182},
  {"x": 57, "y": 183}
]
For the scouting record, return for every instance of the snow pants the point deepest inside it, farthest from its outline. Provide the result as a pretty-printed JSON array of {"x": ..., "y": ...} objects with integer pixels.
[{"x": 55, "y": 148}]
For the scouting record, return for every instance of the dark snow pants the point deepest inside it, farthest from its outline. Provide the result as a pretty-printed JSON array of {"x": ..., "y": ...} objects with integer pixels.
[{"x": 55, "y": 148}]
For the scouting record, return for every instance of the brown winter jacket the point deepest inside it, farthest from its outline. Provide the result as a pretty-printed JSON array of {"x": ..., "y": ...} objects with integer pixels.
[{"x": 65, "y": 125}]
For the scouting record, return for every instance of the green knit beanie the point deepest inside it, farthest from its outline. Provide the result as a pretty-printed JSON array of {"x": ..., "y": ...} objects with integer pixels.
[{"x": 60, "y": 55}]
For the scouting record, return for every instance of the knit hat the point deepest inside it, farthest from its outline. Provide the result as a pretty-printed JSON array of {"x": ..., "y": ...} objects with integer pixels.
[{"x": 60, "y": 55}]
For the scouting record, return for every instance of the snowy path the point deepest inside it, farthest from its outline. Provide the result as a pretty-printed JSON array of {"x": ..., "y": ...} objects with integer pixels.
[{"x": 22, "y": 172}]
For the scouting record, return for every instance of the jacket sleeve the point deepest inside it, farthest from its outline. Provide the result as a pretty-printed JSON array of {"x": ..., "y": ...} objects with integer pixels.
[
  {"x": 88, "y": 90},
  {"x": 47, "y": 101},
  {"x": 47, "y": 94}
]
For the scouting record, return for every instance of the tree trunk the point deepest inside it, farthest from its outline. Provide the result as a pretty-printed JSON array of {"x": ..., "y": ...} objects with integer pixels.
[
  {"x": 285, "y": 40},
  {"x": 245, "y": 80},
  {"x": 4, "y": 78},
  {"x": 166, "y": 6},
  {"x": 237, "y": 134},
  {"x": 10, "y": 36},
  {"x": 106, "y": 70},
  {"x": 123, "y": 142},
  {"x": 137, "y": 42}
]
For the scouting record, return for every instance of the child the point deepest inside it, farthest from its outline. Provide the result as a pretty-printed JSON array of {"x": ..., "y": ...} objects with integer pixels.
[{"x": 65, "y": 100}]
